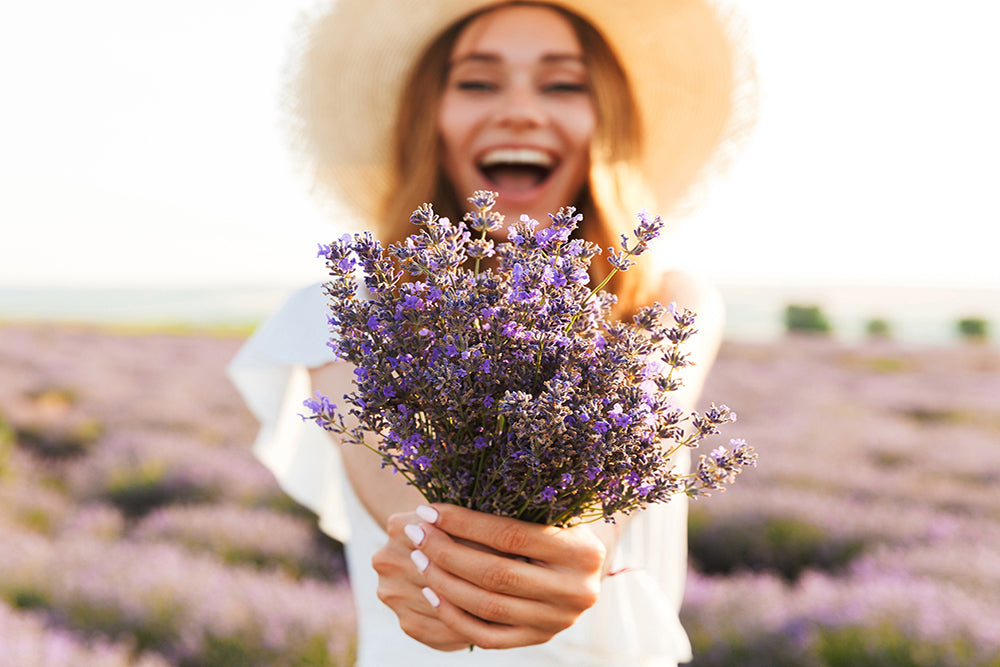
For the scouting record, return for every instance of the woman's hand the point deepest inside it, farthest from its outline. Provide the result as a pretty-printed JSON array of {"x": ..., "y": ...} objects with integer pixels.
[
  {"x": 400, "y": 586},
  {"x": 486, "y": 580}
]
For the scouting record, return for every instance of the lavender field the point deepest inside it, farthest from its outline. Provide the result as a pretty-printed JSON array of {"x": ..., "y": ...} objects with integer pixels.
[{"x": 136, "y": 528}]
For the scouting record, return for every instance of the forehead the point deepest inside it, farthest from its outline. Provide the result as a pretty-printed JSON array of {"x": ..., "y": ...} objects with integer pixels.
[{"x": 527, "y": 31}]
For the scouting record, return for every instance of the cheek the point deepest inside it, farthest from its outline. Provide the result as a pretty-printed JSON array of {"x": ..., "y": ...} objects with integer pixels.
[
  {"x": 454, "y": 122},
  {"x": 579, "y": 127}
]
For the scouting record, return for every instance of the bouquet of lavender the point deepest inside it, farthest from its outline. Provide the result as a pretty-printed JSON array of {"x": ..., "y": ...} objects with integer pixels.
[{"x": 509, "y": 390}]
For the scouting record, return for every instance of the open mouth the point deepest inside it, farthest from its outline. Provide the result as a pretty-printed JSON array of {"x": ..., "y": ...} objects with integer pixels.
[{"x": 516, "y": 169}]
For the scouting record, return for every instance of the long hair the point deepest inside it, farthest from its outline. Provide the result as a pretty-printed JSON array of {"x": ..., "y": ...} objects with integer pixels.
[{"x": 615, "y": 189}]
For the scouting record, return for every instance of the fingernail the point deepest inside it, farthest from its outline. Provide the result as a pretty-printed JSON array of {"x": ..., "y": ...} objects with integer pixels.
[
  {"x": 431, "y": 597},
  {"x": 420, "y": 560},
  {"x": 415, "y": 533},
  {"x": 427, "y": 513}
]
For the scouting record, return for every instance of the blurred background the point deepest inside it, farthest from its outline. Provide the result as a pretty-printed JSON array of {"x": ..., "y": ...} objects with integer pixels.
[
  {"x": 150, "y": 216},
  {"x": 143, "y": 149}
]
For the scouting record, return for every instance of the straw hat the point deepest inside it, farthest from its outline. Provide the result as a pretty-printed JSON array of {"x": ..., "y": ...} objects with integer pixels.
[{"x": 685, "y": 61}]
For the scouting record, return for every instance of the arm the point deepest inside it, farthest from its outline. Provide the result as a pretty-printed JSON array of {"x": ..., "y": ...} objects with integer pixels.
[
  {"x": 380, "y": 492},
  {"x": 545, "y": 595}
]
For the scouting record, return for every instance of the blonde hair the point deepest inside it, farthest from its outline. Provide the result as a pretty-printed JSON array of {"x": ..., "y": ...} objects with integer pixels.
[{"x": 615, "y": 189}]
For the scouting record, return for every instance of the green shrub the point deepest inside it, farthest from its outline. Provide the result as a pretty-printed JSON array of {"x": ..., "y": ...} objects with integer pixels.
[
  {"x": 60, "y": 441},
  {"x": 886, "y": 646},
  {"x": 7, "y": 438},
  {"x": 155, "y": 630},
  {"x": 27, "y": 597},
  {"x": 781, "y": 545},
  {"x": 886, "y": 458},
  {"x": 806, "y": 319},
  {"x": 244, "y": 650},
  {"x": 721, "y": 645},
  {"x": 136, "y": 492},
  {"x": 883, "y": 645},
  {"x": 934, "y": 415},
  {"x": 878, "y": 328},
  {"x": 973, "y": 328}
]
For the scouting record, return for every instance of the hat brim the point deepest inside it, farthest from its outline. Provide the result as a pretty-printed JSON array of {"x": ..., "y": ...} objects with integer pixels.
[{"x": 685, "y": 61}]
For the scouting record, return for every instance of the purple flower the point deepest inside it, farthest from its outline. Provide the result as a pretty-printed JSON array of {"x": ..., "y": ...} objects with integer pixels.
[
  {"x": 515, "y": 236},
  {"x": 619, "y": 260},
  {"x": 320, "y": 405},
  {"x": 554, "y": 278},
  {"x": 483, "y": 199},
  {"x": 516, "y": 381}
]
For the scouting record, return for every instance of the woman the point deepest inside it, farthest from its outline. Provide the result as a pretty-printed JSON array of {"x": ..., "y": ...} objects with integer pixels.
[{"x": 608, "y": 106}]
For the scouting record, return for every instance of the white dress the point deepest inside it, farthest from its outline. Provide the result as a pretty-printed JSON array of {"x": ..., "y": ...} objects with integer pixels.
[{"x": 635, "y": 621}]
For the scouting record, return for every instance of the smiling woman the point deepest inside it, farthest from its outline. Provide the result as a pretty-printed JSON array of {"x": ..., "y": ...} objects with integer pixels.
[
  {"x": 517, "y": 116},
  {"x": 609, "y": 107},
  {"x": 547, "y": 120},
  {"x": 669, "y": 93}
]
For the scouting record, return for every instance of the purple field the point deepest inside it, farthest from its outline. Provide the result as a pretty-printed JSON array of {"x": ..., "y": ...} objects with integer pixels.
[{"x": 136, "y": 528}]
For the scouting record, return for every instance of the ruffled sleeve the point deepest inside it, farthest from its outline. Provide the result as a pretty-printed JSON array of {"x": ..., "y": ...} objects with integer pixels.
[{"x": 271, "y": 372}]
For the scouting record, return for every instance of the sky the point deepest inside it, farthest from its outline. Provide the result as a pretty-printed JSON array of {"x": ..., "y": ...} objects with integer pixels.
[{"x": 141, "y": 145}]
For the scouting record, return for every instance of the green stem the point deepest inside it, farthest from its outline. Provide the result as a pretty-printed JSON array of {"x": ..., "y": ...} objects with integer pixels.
[
  {"x": 481, "y": 238},
  {"x": 406, "y": 476}
]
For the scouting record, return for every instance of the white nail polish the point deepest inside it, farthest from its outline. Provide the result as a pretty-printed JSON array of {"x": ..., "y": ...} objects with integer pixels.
[
  {"x": 427, "y": 513},
  {"x": 415, "y": 533},
  {"x": 420, "y": 560},
  {"x": 431, "y": 597}
]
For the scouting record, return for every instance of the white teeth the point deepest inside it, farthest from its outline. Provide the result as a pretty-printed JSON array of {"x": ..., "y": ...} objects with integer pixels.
[{"x": 529, "y": 156}]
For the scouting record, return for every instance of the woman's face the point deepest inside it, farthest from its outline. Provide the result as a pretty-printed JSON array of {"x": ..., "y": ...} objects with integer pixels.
[{"x": 517, "y": 116}]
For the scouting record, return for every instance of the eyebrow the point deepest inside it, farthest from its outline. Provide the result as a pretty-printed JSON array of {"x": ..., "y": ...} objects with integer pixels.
[{"x": 493, "y": 58}]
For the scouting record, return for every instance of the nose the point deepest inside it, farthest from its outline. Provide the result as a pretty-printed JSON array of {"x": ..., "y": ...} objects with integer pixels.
[{"x": 520, "y": 108}]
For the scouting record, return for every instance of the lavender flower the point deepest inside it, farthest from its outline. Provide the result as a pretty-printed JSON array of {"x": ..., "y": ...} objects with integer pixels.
[
  {"x": 509, "y": 390},
  {"x": 178, "y": 601},
  {"x": 27, "y": 640},
  {"x": 858, "y": 454}
]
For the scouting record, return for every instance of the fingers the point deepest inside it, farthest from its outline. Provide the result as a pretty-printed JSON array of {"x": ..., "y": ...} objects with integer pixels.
[
  {"x": 488, "y": 635},
  {"x": 573, "y": 548},
  {"x": 501, "y": 533},
  {"x": 495, "y": 589},
  {"x": 486, "y": 570},
  {"x": 392, "y": 561},
  {"x": 498, "y": 608},
  {"x": 433, "y": 632},
  {"x": 448, "y": 574},
  {"x": 400, "y": 585}
]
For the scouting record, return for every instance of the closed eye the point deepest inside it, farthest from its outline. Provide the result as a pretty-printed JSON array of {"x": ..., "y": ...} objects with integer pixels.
[
  {"x": 476, "y": 85},
  {"x": 566, "y": 88}
]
